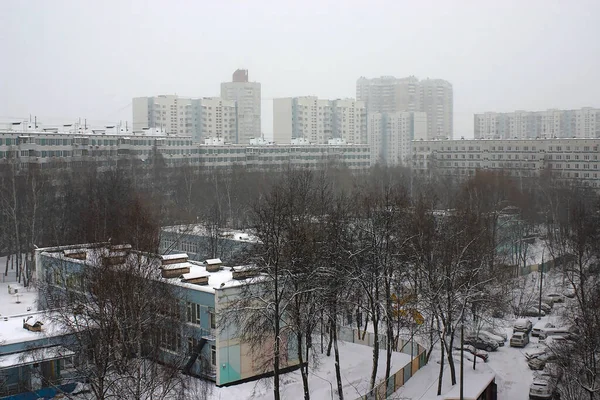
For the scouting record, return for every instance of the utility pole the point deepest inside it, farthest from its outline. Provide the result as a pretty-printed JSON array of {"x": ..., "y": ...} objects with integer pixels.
[{"x": 541, "y": 280}]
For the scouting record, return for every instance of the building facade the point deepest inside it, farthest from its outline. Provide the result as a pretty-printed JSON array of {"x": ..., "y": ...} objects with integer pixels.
[
  {"x": 391, "y": 134},
  {"x": 23, "y": 147},
  {"x": 216, "y": 119},
  {"x": 388, "y": 94},
  {"x": 568, "y": 160},
  {"x": 247, "y": 98},
  {"x": 582, "y": 123},
  {"x": 199, "y": 118},
  {"x": 169, "y": 113},
  {"x": 318, "y": 120}
]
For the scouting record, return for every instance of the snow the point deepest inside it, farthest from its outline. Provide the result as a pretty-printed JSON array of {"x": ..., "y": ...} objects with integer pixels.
[
  {"x": 15, "y": 304},
  {"x": 174, "y": 256},
  {"x": 12, "y": 331},
  {"x": 213, "y": 261},
  {"x": 201, "y": 230},
  {"x": 34, "y": 356},
  {"x": 355, "y": 361}
]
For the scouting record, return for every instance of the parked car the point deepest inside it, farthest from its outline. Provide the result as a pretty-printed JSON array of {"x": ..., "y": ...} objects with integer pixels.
[
  {"x": 490, "y": 336},
  {"x": 533, "y": 312},
  {"x": 546, "y": 332},
  {"x": 522, "y": 325},
  {"x": 535, "y": 352},
  {"x": 498, "y": 331},
  {"x": 476, "y": 352},
  {"x": 546, "y": 308},
  {"x": 481, "y": 343},
  {"x": 539, "y": 362},
  {"x": 539, "y": 326},
  {"x": 542, "y": 389},
  {"x": 519, "y": 339},
  {"x": 555, "y": 297},
  {"x": 570, "y": 293}
]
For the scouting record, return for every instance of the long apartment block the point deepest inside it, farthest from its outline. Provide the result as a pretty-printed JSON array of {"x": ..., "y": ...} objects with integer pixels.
[
  {"x": 570, "y": 160},
  {"x": 51, "y": 148},
  {"x": 581, "y": 123}
]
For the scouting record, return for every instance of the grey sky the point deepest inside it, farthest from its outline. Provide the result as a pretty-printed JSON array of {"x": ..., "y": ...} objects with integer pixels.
[{"x": 66, "y": 59}]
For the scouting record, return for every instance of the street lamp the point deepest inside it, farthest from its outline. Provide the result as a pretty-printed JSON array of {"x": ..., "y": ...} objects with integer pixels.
[{"x": 541, "y": 281}]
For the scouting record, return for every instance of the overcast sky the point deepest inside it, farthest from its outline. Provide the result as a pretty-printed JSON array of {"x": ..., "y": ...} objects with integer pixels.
[{"x": 61, "y": 60}]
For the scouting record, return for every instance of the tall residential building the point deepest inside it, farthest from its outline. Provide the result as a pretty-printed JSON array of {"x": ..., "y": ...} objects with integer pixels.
[
  {"x": 318, "y": 120},
  {"x": 169, "y": 113},
  {"x": 390, "y": 135},
  {"x": 388, "y": 94},
  {"x": 247, "y": 97},
  {"x": 199, "y": 118},
  {"x": 216, "y": 119},
  {"x": 582, "y": 123}
]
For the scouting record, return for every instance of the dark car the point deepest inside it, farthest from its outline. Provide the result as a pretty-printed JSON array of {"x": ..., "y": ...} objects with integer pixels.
[
  {"x": 481, "y": 343},
  {"x": 472, "y": 350}
]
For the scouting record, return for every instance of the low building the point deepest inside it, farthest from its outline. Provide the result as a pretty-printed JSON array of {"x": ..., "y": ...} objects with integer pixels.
[
  {"x": 200, "y": 242},
  {"x": 36, "y": 358},
  {"x": 202, "y": 288}
]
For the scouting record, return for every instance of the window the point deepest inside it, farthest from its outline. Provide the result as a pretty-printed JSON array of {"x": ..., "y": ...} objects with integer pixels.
[
  {"x": 213, "y": 318},
  {"x": 193, "y": 313},
  {"x": 213, "y": 355},
  {"x": 169, "y": 340}
]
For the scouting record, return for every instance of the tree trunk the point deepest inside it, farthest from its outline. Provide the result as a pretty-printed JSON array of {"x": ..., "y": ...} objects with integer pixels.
[
  {"x": 441, "y": 375},
  {"x": 303, "y": 367},
  {"x": 338, "y": 372},
  {"x": 375, "y": 349}
]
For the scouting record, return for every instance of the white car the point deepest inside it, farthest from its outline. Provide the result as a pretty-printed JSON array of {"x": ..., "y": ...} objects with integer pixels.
[
  {"x": 542, "y": 389},
  {"x": 537, "y": 328},
  {"x": 498, "y": 331}
]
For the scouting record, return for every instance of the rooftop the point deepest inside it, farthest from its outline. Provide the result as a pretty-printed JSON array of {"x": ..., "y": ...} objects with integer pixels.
[
  {"x": 175, "y": 269},
  {"x": 200, "y": 230}
]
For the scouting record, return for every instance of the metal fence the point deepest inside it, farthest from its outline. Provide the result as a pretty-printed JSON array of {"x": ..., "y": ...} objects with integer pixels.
[{"x": 386, "y": 388}]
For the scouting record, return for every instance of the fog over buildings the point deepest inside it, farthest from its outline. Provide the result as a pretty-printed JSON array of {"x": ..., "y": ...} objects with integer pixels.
[{"x": 66, "y": 60}]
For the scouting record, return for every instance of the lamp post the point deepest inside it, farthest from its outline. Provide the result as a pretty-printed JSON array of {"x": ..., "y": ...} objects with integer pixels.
[{"x": 541, "y": 281}]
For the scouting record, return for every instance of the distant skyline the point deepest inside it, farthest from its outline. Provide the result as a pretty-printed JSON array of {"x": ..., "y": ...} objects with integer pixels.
[{"x": 69, "y": 59}]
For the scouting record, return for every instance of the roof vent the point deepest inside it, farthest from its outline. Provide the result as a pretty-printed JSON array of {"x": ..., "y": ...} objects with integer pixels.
[
  {"x": 78, "y": 254},
  {"x": 213, "y": 264},
  {"x": 36, "y": 327},
  {"x": 244, "y": 273}
]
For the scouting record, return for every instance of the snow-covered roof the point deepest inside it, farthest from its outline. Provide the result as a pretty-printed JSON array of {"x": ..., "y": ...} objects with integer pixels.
[
  {"x": 201, "y": 230},
  {"x": 213, "y": 261},
  {"x": 34, "y": 356},
  {"x": 12, "y": 331},
  {"x": 217, "y": 279},
  {"x": 176, "y": 266},
  {"x": 174, "y": 256}
]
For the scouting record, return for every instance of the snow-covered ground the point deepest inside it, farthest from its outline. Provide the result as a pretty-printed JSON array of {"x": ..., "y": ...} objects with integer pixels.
[
  {"x": 15, "y": 304},
  {"x": 355, "y": 360}
]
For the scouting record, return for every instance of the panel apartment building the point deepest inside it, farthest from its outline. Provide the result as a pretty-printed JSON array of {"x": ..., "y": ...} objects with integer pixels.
[
  {"x": 24, "y": 145},
  {"x": 199, "y": 118},
  {"x": 569, "y": 160},
  {"x": 582, "y": 123},
  {"x": 434, "y": 97},
  {"x": 390, "y": 136},
  {"x": 319, "y": 120},
  {"x": 247, "y": 98}
]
